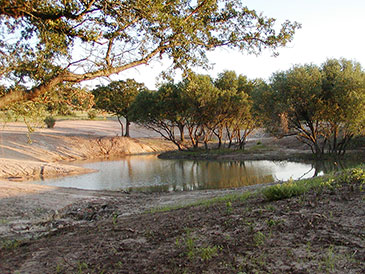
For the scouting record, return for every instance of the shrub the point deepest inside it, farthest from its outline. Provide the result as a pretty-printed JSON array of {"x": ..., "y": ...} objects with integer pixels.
[
  {"x": 92, "y": 114},
  {"x": 50, "y": 122}
]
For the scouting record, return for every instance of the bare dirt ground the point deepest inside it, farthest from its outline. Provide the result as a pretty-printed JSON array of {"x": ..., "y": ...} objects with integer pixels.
[
  {"x": 319, "y": 232},
  {"x": 58, "y": 230}
]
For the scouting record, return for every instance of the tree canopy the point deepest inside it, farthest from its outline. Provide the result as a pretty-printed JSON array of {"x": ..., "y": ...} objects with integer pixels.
[
  {"x": 199, "y": 107},
  {"x": 117, "y": 98},
  {"x": 322, "y": 105},
  {"x": 44, "y": 43}
]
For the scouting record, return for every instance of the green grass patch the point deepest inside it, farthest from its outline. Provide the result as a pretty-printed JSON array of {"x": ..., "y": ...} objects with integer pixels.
[
  {"x": 295, "y": 188},
  {"x": 10, "y": 244},
  {"x": 227, "y": 199}
]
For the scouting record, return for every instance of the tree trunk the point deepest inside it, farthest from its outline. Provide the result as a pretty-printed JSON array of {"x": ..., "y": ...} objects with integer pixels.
[
  {"x": 220, "y": 137},
  {"x": 127, "y": 124},
  {"x": 181, "y": 129},
  {"x": 121, "y": 125}
]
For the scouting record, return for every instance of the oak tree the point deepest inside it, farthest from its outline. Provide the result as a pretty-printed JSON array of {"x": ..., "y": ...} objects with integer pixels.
[{"x": 44, "y": 43}]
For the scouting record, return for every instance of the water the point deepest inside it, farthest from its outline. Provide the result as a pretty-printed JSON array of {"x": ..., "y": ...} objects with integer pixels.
[{"x": 148, "y": 173}]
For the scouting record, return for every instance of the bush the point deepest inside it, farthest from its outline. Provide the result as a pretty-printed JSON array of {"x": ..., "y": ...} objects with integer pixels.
[
  {"x": 92, "y": 114},
  {"x": 283, "y": 191},
  {"x": 50, "y": 122}
]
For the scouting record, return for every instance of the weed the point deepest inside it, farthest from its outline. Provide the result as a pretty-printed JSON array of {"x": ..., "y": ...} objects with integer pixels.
[
  {"x": 293, "y": 188},
  {"x": 81, "y": 266},
  {"x": 270, "y": 207},
  {"x": 329, "y": 260},
  {"x": 115, "y": 218},
  {"x": 59, "y": 268},
  {"x": 259, "y": 238},
  {"x": 229, "y": 207},
  {"x": 272, "y": 222},
  {"x": 4, "y": 221},
  {"x": 285, "y": 190},
  {"x": 193, "y": 251},
  {"x": 119, "y": 264},
  {"x": 10, "y": 244},
  {"x": 50, "y": 122},
  {"x": 206, "y": 253}
]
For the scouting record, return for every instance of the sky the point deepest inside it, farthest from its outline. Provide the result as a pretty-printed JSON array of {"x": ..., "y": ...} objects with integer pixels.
[{"x": 330, "y": 29}]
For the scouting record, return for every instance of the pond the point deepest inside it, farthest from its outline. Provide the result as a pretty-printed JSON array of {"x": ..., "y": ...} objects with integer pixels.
[{"x": 149, "y": 173}]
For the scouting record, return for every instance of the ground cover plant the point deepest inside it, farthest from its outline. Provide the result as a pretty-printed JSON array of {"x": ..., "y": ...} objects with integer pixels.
[{"x": 319, "y": 230}]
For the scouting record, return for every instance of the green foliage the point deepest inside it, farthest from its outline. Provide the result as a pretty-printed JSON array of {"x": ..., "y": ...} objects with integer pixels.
[
  {"x": 322, "y": 105},
  {"x": 66, "y": 99},
  {"x": 285, "y": 190},
  {"x": 259, "y": 238},
  {"x": 201, "y": 106},
  {"x": 45, "y": 43},
  {"x": 91, "y": 114},
  {"x": 117, "y": 98},
  {"x": 296, "y": 188},
  {"x": 50, "y": 121},
  {"x": 193, "y": 251},
  {"x": 10, "y": 244},
  {"x": 353, "y": 175}
]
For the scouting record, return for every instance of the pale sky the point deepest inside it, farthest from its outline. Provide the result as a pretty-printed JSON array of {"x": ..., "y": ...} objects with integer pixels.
[{"x": 330, "y": 29}]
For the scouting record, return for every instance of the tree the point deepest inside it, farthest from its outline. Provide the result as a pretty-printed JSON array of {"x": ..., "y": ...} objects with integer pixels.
[
  {"x": 45, "y": 43},
  {"x": 235, "y": 108},
  {"x": 323, "y": 106},
  {"x": 156, "y": 111},
  {"x": 202, "y": 98},
  {"x": 200, "y": 107},
  {"x": 67, "y": 98},
  {"x": 162, "y": 111},
  {"x": 117, "y": 98},
  {"x": 343, "y": 85}
]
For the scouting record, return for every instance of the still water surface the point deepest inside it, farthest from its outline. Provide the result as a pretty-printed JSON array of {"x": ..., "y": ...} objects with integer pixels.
[{"x": 148, "y": 173}]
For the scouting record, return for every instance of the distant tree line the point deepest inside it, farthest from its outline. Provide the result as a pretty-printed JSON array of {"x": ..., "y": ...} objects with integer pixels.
[{"x": 324, "y": 106}]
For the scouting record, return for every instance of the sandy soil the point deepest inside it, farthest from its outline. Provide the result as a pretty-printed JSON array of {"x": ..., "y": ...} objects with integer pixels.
[{"x": 68, "y": 141}]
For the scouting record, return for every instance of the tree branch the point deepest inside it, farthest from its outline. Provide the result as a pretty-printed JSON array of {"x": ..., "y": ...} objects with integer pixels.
[{"x": 16, "y": 96}]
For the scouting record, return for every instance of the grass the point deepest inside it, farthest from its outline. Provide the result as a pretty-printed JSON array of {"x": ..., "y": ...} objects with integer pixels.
[
  {"x": 191, "y": 249},
  {"x": 295, "y": 188},
  {"x": 227, "y": 199},
  {"x": 211, "y": 153},
  {"x": 10, "y": 244}
]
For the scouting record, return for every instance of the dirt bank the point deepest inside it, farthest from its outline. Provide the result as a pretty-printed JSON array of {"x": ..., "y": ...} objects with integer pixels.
[{"x": 23, "y": 158}]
